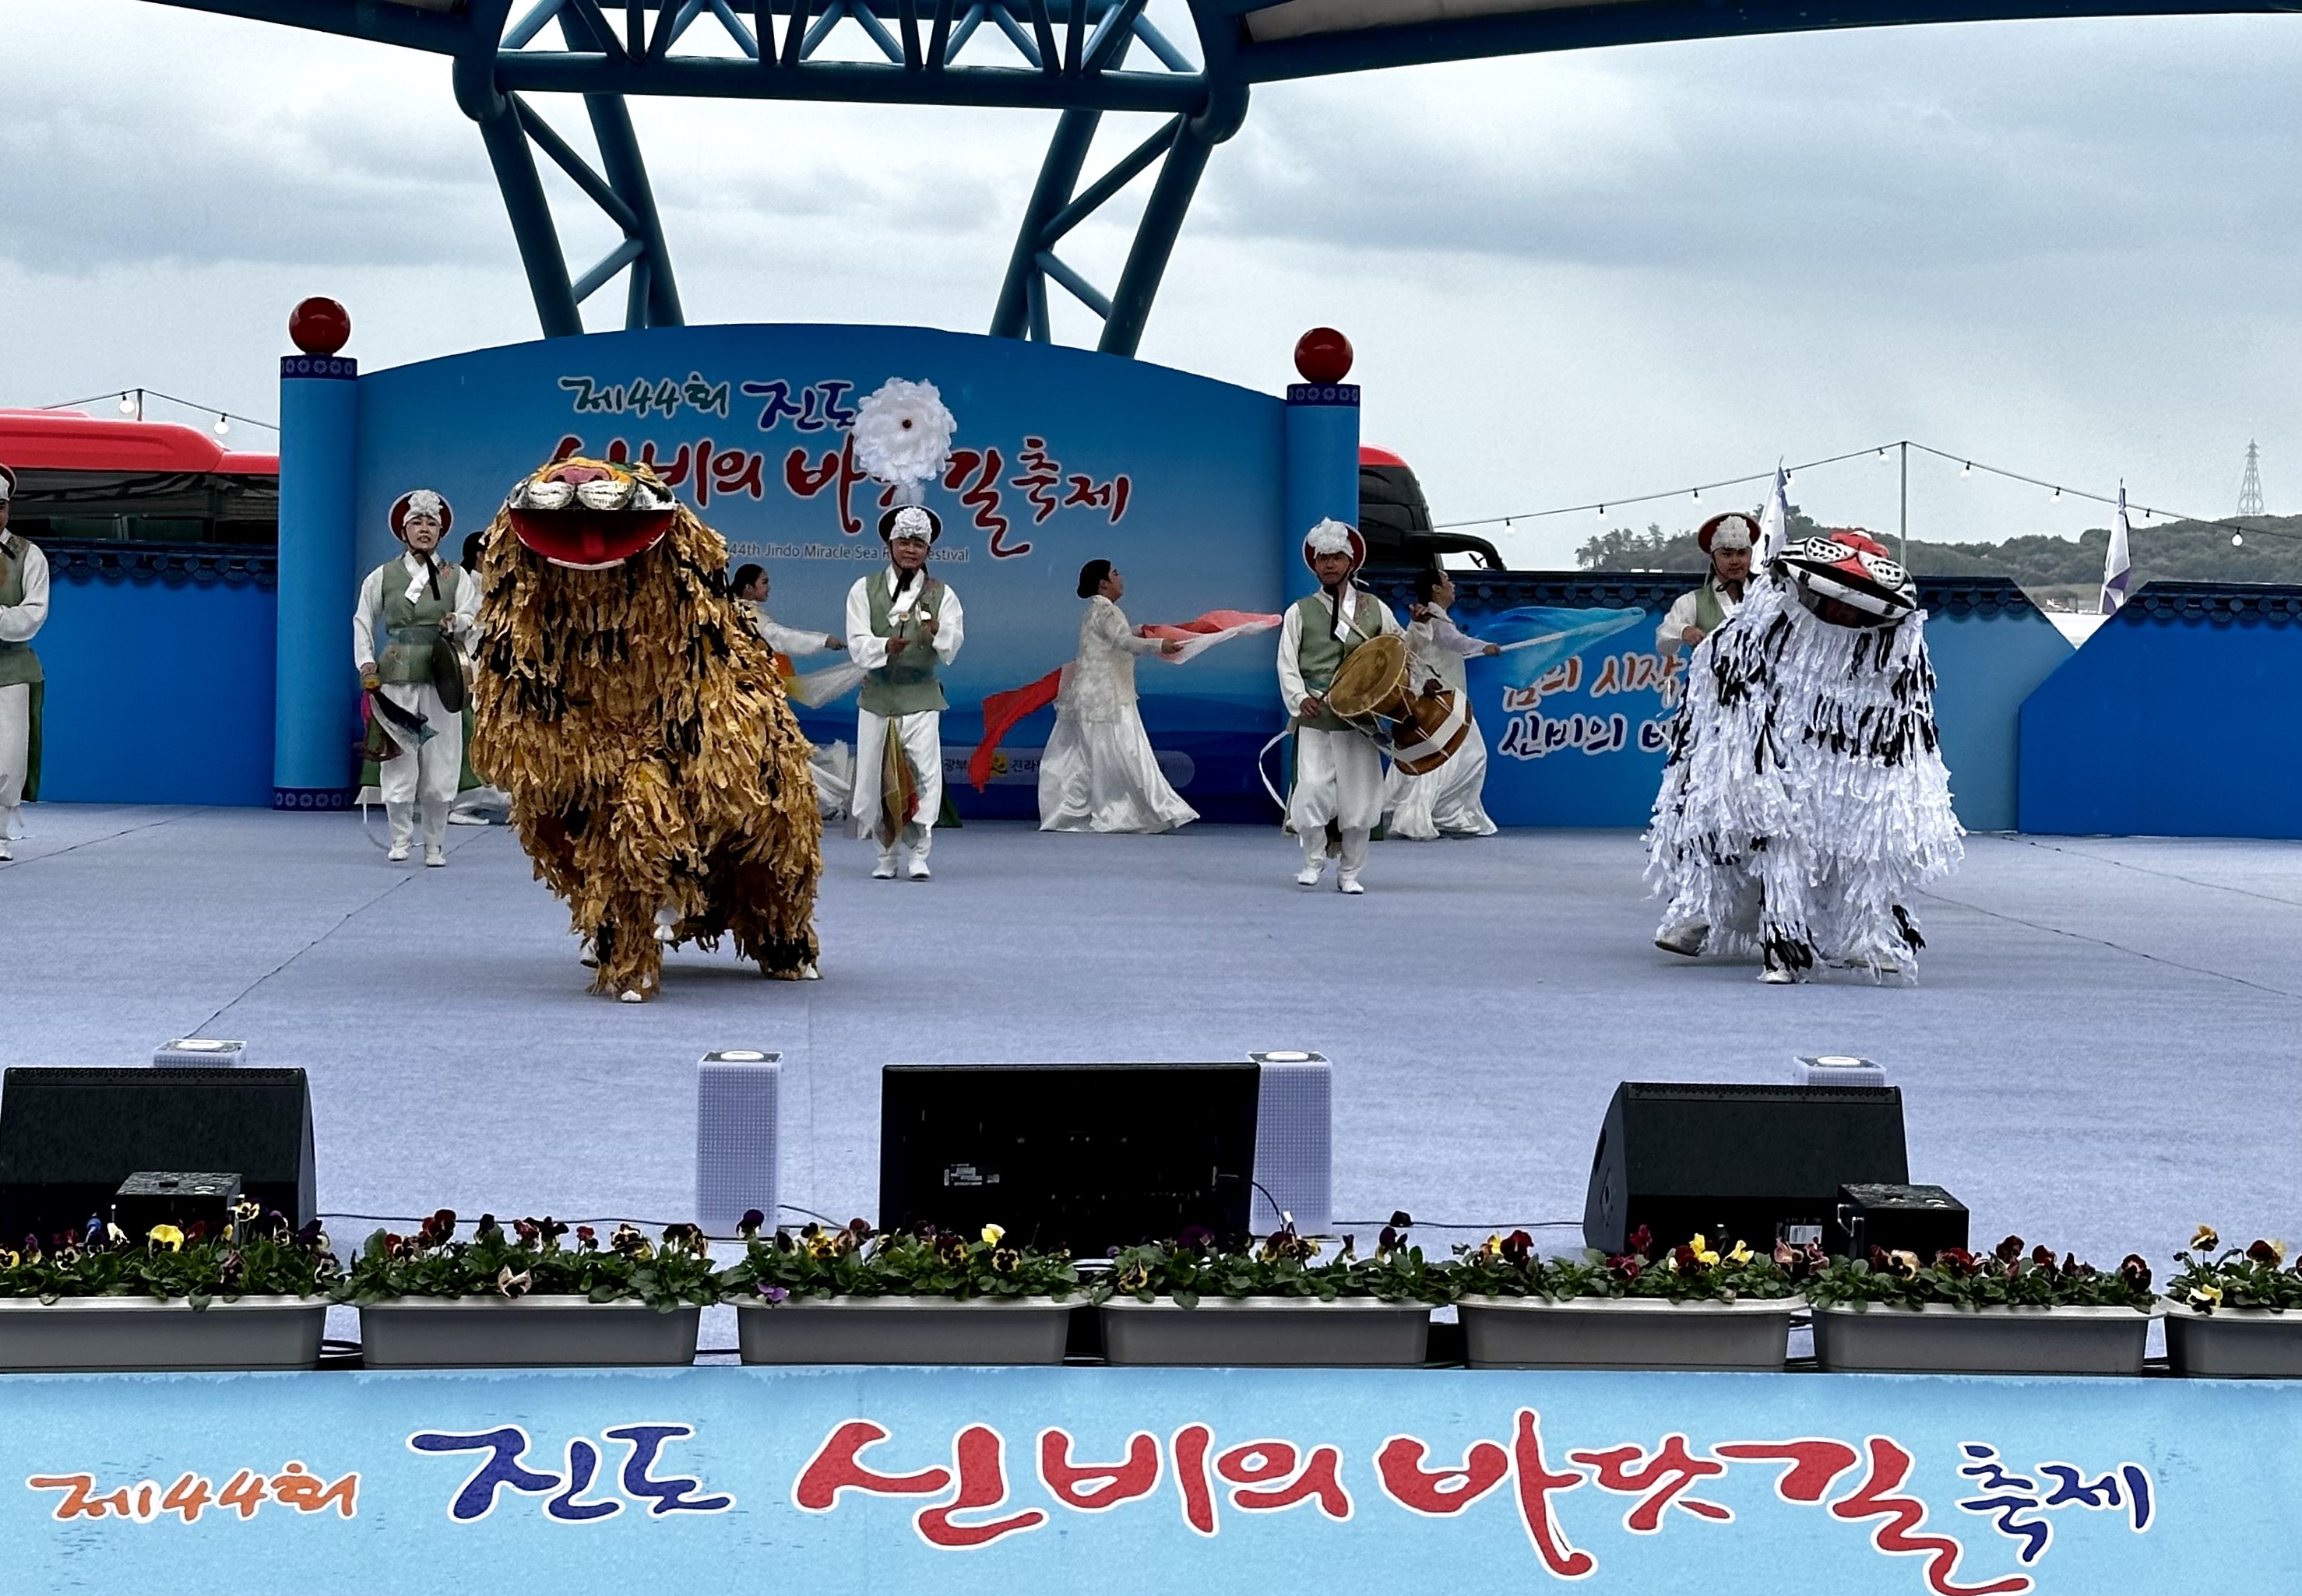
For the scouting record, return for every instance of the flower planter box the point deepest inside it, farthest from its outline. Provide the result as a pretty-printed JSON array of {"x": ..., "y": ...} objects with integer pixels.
[
  {"x": 905, "y": 1329},
  {"x": 1942, "y": 1339},
  {"x": 1267, "y": 1332},
  {"x": 91, "y": 1333},
  {"x": 494, "y": 1332},
  {"x": 2234, "y": 1343},
  {"x": 1611, "y": 1332}
]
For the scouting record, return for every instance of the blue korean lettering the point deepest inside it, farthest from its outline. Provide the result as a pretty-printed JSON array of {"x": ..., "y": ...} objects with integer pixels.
[
  {"x": 505, "y": 1447},
  {"x": 670, "y": 1494},
  {"x": 583, "y": 1463}
]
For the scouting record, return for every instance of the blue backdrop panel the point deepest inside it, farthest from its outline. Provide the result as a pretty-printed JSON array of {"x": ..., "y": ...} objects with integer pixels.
[
  {"x": 2179, "y": 717},
  {"x": 157, "y": 694},
  {"x": 1062, "y": 456},
  {"x": 965, "y": 1480},
  {"x": 1991, "y": 648}
]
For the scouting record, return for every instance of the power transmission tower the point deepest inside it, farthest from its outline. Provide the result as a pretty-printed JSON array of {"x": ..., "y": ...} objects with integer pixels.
[{"x": 2249, "y": 486}]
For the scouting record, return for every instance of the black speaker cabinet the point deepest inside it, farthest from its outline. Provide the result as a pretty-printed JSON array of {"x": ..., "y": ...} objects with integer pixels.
[
  {"x": 68, "y": 1137},
  {"x": 1754, "y": 1164}
]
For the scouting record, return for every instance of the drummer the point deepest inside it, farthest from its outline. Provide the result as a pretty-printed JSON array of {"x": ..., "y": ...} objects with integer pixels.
[{"x": 1337, "y": 801}]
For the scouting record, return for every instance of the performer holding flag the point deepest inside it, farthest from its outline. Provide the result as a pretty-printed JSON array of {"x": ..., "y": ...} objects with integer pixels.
[
  {"x": 1337, "y": 801},
  {"x": 418, "y": 736},
  {"x": 1097, "y": 772}
]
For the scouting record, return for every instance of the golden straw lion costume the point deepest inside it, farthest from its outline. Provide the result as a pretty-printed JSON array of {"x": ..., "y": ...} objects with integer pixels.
[{"x": 656, "y": 773}]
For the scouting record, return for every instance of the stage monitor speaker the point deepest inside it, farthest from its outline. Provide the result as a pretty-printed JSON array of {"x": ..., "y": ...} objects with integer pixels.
[
  {"x": 69, "y": 1137},
  {"x": 1294, "y": 1143},
  {"x": 1083, "y": 1157},
  {"x": 1754, "y": 1164},
  {"x": 738, "y": 1094}
]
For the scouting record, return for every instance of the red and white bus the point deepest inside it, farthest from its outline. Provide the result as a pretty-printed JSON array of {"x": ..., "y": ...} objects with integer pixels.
[{"x": 84, "y": 479}]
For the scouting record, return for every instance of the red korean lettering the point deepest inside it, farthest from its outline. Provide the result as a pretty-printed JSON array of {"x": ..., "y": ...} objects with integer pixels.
[
  {"x": 979, "y": 1456},
  {"x": 982, "y": 496},
  {"x": 1259, "y": 1463},
  {"x": 1664, "y": 1478},
  {"x": 1096, "y": 1487},
  {"x": 1610, "y": 678},
  {"x": 1536, "y": 1485},
  {"x": 737, "y": 471},
  {"x": 1189, "y": 1450},
  {"x": 806, "y": 481},
  {"x": 296, "y": 1486},
  {"x": 1814, "y": 1464},
  {"x": 676, "y": 472},
  {"x": 1038, "y": 478},
  {"x": 80, "y": 1502},
  {"x": 702, "y": 457},
  {"x": 1399, "y": 1466},
  {"x": 570, "y": 444},
  {"x": 838, "y": 1467},
  {"x": 1875, "y": 1498}
]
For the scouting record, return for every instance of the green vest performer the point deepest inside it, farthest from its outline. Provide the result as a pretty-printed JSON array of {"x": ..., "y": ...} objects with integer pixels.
[
  {"x": 1727, "y": 540},
  {"x": 1337, "y": 801},
  {"x": 23, "y": 609},
  {"x": 902, "y": 624},
  {"x": 422, "y": 609}
]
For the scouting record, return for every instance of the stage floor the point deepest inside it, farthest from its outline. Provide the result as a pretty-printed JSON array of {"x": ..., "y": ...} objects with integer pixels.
[{"x": 2102, "y": 1051}]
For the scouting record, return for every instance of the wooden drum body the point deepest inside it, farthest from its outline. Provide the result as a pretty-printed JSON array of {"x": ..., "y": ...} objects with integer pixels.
[{"x": 1371, "y": 690}]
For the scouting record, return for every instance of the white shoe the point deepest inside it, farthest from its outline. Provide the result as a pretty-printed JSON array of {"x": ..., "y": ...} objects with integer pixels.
[
  {"x": 465, "y": 817},
  {"x": 396, "y": 853},
  {"x": 885, "y": 870},
  {"x": 6, "y": 853},
  {"x": 630, "y": 997},
  {"x": 1348, "y": 884},
  {"x": 917, "y": 870},
  {"x": 1687, "y": 938},
  {"x": 1308, "y": 876},
  {"x": 435, "y": 855},
  {"x": 588, "y": 956}
]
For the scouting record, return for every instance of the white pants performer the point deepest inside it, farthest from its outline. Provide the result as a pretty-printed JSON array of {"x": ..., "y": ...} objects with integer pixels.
[
  {"x": 1442, "y": 803},
  {"x": 1338, "y": 777},
  {"x": 16, "y": 751},
  {"x": 426, "y": 775},
  {"x": 922, "y": 741}
]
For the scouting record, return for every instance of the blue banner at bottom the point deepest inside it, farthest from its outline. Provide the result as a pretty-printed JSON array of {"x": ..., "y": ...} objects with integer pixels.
[{"x": 1150, "y": 1480}]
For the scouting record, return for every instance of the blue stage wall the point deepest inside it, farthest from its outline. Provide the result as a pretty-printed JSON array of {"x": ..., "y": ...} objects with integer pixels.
[
  {"x": 159, "y": 670},
  {"x": 1154, "y": 1481},
  {"x": 1576, "y": 732},
  {"x": 2180, "y": 717}
]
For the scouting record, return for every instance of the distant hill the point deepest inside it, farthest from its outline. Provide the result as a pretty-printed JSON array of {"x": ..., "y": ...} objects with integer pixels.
[{"x": 2057, "y": 573}]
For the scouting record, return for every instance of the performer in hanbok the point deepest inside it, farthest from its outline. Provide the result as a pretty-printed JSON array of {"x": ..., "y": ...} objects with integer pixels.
[
  {"x": 424, "y": 606},
  {"x": 23, "y": 610},
  {"x": 1097, "y": 772},
  {"x": 1445, "y": 801},
  {"x": 1727, "y": 541},
  {"x": 1337, "y": 801},
  {"x": 902, "y": 624},
  {"x": 832, "y": 765},
  {"x": 1804, "y": 804}
]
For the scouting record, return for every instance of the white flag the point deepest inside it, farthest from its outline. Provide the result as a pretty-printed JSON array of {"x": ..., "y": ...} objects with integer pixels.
[
  {"x": 1774, "y": 522},
  {"x": 2117, "y": 562}
]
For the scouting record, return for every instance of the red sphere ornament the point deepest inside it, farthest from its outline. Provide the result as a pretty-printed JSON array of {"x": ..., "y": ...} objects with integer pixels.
[
  {"x": 320, "y": 326},
  {"x": 1323, "y": 356}
]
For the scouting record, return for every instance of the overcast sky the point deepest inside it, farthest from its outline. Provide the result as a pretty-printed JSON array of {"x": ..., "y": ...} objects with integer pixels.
[{"x": 2071, "y": 248}]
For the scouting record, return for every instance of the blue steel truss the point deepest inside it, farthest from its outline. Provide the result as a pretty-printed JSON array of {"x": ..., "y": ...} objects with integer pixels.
[{"x": 1075, "y": 60}]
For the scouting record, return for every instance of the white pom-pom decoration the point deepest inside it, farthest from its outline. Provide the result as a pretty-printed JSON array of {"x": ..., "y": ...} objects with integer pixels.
[{"x": 902, "y": 433}]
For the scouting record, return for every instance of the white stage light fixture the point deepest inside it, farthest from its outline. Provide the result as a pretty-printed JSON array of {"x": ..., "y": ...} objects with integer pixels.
[
  {"x": 204, "y": 1053},
  {"x": 1294, "y": 1142},
  {"x": 736, "y": 1095},
  {"x": 1836, "y": 1069}
]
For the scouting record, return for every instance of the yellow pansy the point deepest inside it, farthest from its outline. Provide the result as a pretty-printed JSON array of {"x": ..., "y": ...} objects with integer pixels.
[
  {"x": 2278, "y": 1249},
  {"x": 167, "y": 1236},
  {"x": 1703, "y": 1253},
  {"x": 2206, "y": 1294},
  {"x": 992, "y": 1235},
  {"x": 1491, "y": 1248},
  {"x": 1740, "y": 1254},
  {"x": 2205, "y": 1239}
]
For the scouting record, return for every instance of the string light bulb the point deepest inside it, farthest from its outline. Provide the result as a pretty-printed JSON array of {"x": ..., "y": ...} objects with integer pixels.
[
  {"x": 1968, "y": 471},
  {"x": 127, "y": 406},
  {"x": 1698, "y": 495},
  {"x": 223, "y": 425},
  {"x": 2238, "y": 539},
  {"x": 2058, "y": 492}
]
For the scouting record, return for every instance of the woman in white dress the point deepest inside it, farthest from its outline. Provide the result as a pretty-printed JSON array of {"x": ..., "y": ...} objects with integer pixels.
[
  {"x": 1098, "y": 772},
  {"x": 1445, "y": 801}
]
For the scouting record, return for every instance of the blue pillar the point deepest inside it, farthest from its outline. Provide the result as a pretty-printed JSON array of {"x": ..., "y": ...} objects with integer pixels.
[
  {"x": 314, "y": 706},
  {"x": 1322, "y": 469}
]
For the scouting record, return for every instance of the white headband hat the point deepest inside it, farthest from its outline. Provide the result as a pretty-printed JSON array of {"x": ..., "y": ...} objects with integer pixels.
[
  {"x": 1734, "y": 532},
  {"x": 424, "y": 502},
  {"x": 1329, "y": 536},
  {"x": 913, "y": 522},
  {"x": 7, "y": 485}
]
